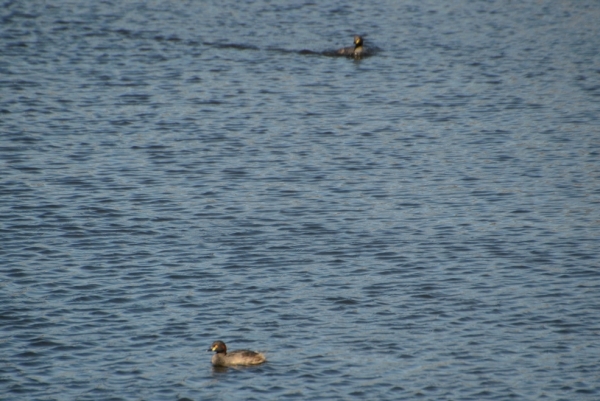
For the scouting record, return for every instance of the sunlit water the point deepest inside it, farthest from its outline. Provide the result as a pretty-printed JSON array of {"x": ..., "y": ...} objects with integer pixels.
[{"x": 420, "y": 224}]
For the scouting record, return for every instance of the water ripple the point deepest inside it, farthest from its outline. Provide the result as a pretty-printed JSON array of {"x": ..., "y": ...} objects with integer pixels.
[{"x": 422, "y": 223}]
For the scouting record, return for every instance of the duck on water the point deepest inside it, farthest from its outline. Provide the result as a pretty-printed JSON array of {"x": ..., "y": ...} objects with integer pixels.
[
  {"x": 241, "y": 357},
  {"x": 357, "y": 51}
]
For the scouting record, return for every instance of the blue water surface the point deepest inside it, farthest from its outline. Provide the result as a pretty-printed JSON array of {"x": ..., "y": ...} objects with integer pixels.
[{"x": 421, "y": 224}]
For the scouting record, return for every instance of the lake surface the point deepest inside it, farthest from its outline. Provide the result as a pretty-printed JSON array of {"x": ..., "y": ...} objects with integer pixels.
[{"x": 421, "y": 224}]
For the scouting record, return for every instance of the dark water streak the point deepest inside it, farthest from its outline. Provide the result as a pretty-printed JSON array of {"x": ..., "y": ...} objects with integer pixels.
[{"x": 423, "y": 223}]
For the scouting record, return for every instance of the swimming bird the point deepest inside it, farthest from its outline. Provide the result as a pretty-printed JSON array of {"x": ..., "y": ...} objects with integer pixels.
[
  {"x": 234, "y": 358},
  {"x": 356, "y": 51}
]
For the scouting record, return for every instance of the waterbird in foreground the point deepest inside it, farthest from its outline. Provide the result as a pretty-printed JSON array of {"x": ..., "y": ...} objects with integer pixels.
[{"x": 234, "y": 358}]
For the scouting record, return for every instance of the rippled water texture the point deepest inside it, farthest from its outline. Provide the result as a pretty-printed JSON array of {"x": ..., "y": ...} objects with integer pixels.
[{"x": 420, "y": 224}]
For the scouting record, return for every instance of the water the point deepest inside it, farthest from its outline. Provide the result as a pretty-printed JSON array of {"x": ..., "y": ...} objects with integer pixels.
[{"x": 420, "y": 224}]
